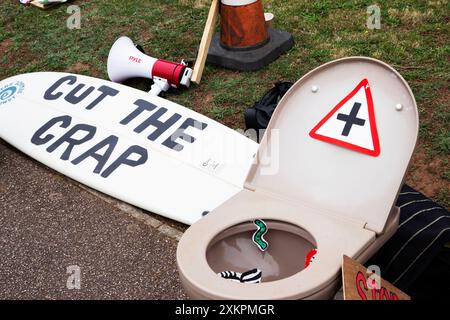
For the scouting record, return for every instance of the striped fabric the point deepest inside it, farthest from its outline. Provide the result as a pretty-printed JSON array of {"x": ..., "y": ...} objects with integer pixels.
[
  {"x": 251, "y": 276},
  {"x": 423, "y": 232}
]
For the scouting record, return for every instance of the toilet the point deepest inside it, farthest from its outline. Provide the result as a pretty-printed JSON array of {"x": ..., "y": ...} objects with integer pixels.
[{"x": 326, "y": 176}]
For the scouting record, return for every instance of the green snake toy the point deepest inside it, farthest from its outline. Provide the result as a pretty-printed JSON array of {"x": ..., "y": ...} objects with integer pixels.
[{"x": 258, "y": 236}]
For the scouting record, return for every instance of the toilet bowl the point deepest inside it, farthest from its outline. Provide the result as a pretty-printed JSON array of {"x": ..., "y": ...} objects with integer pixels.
[{"x": 326, "y": 177}]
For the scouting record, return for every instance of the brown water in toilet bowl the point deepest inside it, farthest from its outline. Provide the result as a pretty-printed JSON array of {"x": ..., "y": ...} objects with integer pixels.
[{"x": 234, "y": 250}]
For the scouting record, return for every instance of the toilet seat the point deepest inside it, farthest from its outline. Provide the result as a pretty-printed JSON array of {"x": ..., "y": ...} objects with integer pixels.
[
  {"x": 314, "y": 184},
  {"x": 198, "y": 237}
]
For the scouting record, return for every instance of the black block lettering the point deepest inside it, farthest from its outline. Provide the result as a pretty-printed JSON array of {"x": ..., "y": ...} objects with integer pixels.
[
  {"x": 109, "y": 142},
  {"x": 67, "y": 137},
  {"x": 142, "y": 106},
  {"x": 49, "y": 95},
  {"x": 179, "y": 133},
  {"x": 123, "y": 159},
  {"x": 73, "y": 99},
  {"x": 106, "y": 91},
  {"x": 37, "y": 138},
  {"x": 160, "y": 126}
]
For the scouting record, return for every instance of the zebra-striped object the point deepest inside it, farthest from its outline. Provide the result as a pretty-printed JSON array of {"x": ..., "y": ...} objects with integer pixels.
[
  {"x": 251, "y": 276},
  {"x": 231, "y": 275}
]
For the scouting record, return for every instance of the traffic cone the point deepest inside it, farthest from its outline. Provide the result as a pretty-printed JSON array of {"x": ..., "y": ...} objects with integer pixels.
[{"x": 244, "y": 41}]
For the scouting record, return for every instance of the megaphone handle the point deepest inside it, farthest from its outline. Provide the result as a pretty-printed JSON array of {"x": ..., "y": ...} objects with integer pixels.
[
  {"x": 159, "y": 85},
  {"x": 156, "y": 90}
]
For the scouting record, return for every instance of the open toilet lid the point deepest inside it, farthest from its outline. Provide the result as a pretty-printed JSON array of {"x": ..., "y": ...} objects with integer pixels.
[{"x": 341, "y": 140}]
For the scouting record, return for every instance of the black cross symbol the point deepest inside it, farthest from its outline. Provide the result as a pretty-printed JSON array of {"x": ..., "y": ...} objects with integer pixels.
[{"x": 351, "y": 119}]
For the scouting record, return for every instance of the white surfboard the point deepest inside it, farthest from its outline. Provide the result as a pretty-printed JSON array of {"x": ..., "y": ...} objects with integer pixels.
[{"x": 141, "y": 149}]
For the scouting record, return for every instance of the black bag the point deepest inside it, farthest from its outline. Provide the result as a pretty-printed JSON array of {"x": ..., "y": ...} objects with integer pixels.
[{"x": 258, "y": 116}]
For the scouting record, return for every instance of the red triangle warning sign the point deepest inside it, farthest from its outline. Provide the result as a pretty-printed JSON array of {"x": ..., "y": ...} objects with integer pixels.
[{"x": 351, "y": 123}]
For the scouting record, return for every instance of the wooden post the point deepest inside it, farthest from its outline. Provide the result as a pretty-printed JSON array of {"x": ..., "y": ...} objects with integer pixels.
[{"x": 205, "y": 43}]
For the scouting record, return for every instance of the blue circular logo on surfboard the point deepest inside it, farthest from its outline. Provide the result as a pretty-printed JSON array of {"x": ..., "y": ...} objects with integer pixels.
[{"x": 10, "y": 91}]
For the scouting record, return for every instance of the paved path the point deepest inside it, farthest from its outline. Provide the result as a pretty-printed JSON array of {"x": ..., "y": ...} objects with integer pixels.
[{"x": 49, "y": 222}]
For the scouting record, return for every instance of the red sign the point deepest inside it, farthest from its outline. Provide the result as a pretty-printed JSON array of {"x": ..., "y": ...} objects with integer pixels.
[
  {"x": 351, "y": 123},
  {"x": 361, "y": 284}
]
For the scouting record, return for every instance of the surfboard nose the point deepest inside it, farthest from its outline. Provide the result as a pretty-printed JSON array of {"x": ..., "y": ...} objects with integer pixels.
[{"x": 10, "y": 88}]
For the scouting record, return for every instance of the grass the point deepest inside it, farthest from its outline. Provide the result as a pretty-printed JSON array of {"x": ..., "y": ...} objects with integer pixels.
[{"x": 414, "y": 38}]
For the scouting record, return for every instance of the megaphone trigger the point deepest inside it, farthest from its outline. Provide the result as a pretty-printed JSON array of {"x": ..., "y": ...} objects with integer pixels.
[{"x": 159, "y": 85}]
